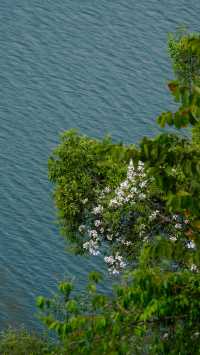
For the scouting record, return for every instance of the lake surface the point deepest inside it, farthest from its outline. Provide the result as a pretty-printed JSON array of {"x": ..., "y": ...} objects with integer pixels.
[{"x": 99, "y": 66}]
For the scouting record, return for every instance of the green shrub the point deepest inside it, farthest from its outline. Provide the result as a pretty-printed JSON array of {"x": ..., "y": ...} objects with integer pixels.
[{"x": 21, "y": 342}]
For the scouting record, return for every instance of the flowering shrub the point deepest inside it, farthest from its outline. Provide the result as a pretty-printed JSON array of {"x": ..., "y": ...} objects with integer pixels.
[
  {"x": 139, "y": 209},
  {"x": 130, "y": 216}
]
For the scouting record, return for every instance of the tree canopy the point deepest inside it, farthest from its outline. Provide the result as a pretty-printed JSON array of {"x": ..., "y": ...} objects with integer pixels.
[{"x": 138, "y": 207}]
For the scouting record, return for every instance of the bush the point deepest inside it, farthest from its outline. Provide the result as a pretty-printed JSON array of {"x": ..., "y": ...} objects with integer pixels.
[{"x": 21, "y": 342}]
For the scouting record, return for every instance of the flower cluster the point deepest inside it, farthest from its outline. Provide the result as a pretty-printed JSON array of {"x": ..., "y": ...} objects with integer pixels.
[
  {"x": 131, "y": 189},
  {"x": 128, "y": 193},
  {"x": 118, "y": 220},
  {"x": 115, "y": 263}
]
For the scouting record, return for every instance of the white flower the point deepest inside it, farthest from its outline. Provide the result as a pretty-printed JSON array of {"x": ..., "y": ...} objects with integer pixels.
[
  {"x": 115, "y": 263},
  {"x": 175, "y": 217},
  {"x": 126, "y": 242},
  {"x": 122, "y": 264},
  {"x": 114, "y": 271},
  {"x": 101, "y": 230},
  {"x": 85, "y": 201},
  {"x": 92, "y": 247},
  {"x": 146, "y": 238},
  {"x": 97, "y": 223},
  {"x": 140, "y": 163},
  {"x": 109, "y": 236},
  {"x": 131, "y": 166},
  {"x": 143, "y": 184},
  {"x": 193, "y": 268},
  {"x": 186, "y": 221},
  {"x": 114, "y": 203},
  {"x": 97, "y": 210},
  {"x": 93, "y": 233},
  {"x": 109, "y": 259},
  {"x": 140, "y": 167},
  {"x": 131, "y": 171},
  {"x": 134, "y": 189},
  {"x": 191, "y": 244},
  {"x": 124, "y": 184},
  {"x": 173, "y": 238},
  {"x": 153, "y": 216},
  {"x": 94, "y": 252},
  {"x": 178, "y": 226}
]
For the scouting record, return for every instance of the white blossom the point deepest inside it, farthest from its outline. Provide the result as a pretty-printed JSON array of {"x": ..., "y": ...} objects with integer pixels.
[
  {"x": 173, "y": 238},
  {"x": 92, "y": 246},
  {"x": 140, "y": 167},
  {"x": 191, "y": 244},
  {"x": 178, "y": 226},
  {"x": 194, "y": 268},
  {"x": 165, "y": 336},
  {"x": 115, "y": 263},
  {"x": 115, "y": 271},
  {"x": 126, "y": 242},
  {"x": 109, "y": 237},
  {"x": 141, "y": 196},
  {"x": 124, "y": 184},
  {"x": 97, "y": 210},
  {"x": 154, "y": 215},
  {"x": 114, "y": 203},
  {"x": 93, "y": 233},
  {"x": 134, "y": 189},
  {"x": 97, "y": 223},
  {"x": 143, "y": 184},
  {"x": 109, "y": 259}
]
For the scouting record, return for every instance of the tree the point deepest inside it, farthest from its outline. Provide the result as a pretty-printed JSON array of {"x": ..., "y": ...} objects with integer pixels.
[{"x": 140, "y": 208}]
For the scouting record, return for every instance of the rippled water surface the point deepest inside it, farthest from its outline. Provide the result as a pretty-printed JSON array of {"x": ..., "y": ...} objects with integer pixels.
[{"x": 100, "y": 66}]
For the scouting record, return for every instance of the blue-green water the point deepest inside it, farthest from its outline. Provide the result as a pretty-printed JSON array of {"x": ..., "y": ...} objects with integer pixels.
[{"x": 100, "y": 66}]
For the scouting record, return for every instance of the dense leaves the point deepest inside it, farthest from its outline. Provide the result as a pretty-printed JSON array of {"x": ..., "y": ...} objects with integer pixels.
[
  {"x": 153, "y": 311},
  {"x": 21, "y": 342},
  {"x": 184, "y": 50},
  {"x": 79, "y": 168},
  {"x": 140, "y": 208}
]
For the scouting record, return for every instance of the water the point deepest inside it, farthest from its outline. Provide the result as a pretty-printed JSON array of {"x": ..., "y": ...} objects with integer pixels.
[{"x": 100, "y": 66}]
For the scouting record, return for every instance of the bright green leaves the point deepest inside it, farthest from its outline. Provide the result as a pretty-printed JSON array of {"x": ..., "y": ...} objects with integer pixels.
[
  {"x": 185, "y": 55},
  {"x": 41, "y": 302},
  {"x": 156, "y": 308},
  {"x": 141, "y": 312},
  {"x": 72, "y": 306},
  {"x": 79, "y": 168},
  {"x": 65, "y": 288},
  {"x": 179, "y": 119}
]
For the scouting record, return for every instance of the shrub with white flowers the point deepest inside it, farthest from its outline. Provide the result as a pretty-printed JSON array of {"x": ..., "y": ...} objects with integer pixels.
[
  {"x": 128, "y": 217},
  {"x": 139, "y": 209}
]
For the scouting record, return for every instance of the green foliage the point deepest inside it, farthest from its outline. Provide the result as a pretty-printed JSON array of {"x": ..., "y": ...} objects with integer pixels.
[
  {"x": 175, "y": 164},
  {"x": 155, "y": 224},
  {"x": 184, "y": 50},
  {"x": 21, "y": 342},
  {"x": 152, "y": 311},
  {"x": 79, "y": 168}
]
